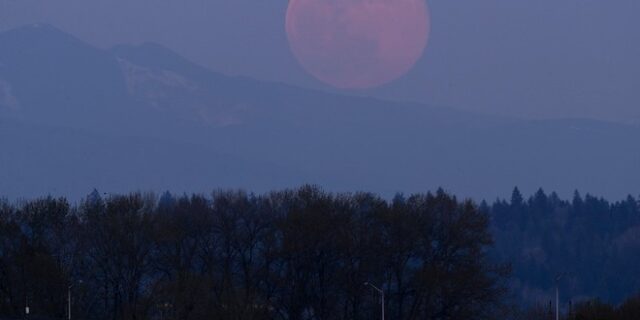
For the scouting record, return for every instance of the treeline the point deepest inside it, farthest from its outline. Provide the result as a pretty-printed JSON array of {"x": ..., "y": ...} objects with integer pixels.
[
  {"x": 593, "y": 244},
  {"x": 292, "y": 254}
]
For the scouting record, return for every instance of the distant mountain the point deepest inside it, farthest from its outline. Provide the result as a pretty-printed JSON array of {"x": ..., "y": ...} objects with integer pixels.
[
  {"x": 74, "y": 117},
  {"x": 41, "y": 160},
  {"x": 51, "y": 77}
]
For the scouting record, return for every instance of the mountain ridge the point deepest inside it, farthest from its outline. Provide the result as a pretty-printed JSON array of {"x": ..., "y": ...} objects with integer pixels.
[{"x": 341, "y": 142}]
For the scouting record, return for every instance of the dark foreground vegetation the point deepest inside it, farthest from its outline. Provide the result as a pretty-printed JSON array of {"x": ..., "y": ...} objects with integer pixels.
[
  {"x": 295, "y": 254},
  {"x": 306, "y": 254}
]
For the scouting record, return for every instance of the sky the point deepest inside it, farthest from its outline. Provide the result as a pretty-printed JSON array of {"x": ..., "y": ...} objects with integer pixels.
[{"x": 529, "y": 59}]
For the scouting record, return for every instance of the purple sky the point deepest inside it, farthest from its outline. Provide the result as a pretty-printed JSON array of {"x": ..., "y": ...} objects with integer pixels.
[{"x": 544, "y": 58}]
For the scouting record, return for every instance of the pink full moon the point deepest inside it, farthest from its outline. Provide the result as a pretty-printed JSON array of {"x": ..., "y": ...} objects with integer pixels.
[{"x": 357, "y": 44}]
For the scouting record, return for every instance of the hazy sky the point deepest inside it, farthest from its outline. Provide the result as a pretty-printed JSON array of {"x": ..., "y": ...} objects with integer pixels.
[{"x": 549, "y": 58}]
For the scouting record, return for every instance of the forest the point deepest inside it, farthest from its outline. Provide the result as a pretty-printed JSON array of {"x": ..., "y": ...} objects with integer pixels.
[
  {"x": 306, "y": 253},
  {"x": 591, "y": 243}
]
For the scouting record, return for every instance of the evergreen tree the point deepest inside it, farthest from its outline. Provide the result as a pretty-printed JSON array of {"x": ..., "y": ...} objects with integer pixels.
[{"x": 516, "y": 198}]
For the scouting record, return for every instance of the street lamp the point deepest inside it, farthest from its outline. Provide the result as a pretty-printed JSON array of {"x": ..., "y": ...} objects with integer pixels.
[
  {"x": 26, "y": 307},
  {"x": 557, "y": 282},
  {"x": 69, "y": 299},
  {"x": 164, "y": 307},
  {"x": 381, "y": 295}
]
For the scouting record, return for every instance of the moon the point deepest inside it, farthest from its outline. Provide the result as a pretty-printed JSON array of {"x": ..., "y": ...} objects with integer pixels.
[{"x": 357, "y": 44}]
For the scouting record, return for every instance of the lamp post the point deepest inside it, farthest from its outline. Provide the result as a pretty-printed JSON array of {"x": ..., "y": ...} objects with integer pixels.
[
  {"x": 69, "y": 299},
  {"x": 557, "y": 303},
  {"x": 26, "y": 307},
  {"x": 557, "y": 282},
  {"x": 381, "y": 295}
]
